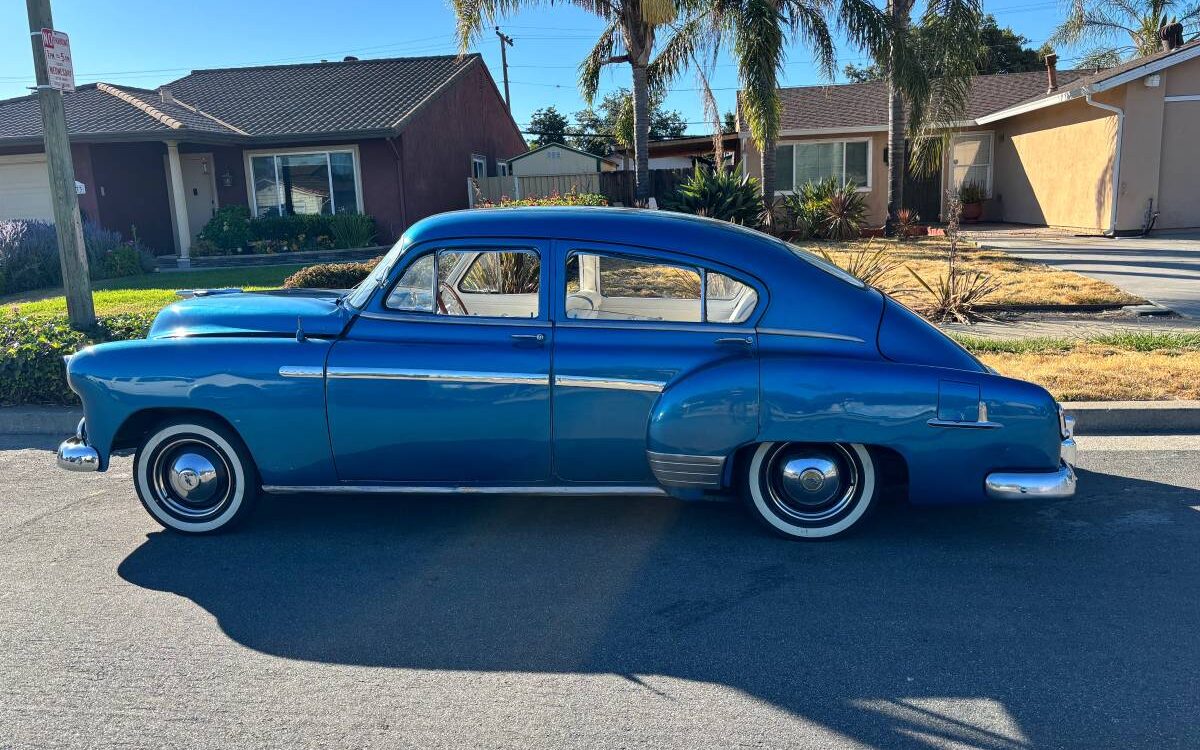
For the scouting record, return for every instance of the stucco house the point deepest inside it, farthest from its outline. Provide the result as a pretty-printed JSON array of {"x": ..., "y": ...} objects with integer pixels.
[
  {"x": 555, "y": 159},
  {"x": 1097, "y": 151},
  {"x": 683, "y": 153},
  {"x": 394, "y": 138}
]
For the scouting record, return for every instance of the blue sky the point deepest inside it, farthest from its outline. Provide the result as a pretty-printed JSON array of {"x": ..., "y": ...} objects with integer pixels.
[{"x": 149, "y": 42}]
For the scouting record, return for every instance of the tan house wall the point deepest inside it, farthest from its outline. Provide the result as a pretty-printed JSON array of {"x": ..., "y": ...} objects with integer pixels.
[
  {"x": 876, "y": 195},
  {"x": 545, "y": 163},
  {"x": 1179, "y": 175}
]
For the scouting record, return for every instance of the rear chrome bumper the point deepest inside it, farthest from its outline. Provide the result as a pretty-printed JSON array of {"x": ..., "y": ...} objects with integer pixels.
[
  {"x": 74, "y": 454},
  {"x": 1014, "y": 485}
]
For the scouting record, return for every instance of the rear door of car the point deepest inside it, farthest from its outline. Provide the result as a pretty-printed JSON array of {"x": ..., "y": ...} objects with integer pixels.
[{"x": 630, "y": 322}]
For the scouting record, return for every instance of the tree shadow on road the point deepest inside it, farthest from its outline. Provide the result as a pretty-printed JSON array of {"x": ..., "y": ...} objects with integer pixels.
[{"x": 1073, "y": 621}]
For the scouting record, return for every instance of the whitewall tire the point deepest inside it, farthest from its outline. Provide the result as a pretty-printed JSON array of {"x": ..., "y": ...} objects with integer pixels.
[
  {"x": 195, "y": 476},
  {"x": 810, "y": 490}
]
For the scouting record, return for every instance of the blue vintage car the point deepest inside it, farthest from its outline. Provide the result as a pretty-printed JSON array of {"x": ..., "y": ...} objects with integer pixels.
[{"x": 566, "y": 351}]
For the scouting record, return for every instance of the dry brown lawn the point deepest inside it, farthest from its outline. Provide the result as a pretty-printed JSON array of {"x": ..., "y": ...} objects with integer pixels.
[
  {"x": 1093, "y": 372},
  {"x": 1022, "y": 283}
]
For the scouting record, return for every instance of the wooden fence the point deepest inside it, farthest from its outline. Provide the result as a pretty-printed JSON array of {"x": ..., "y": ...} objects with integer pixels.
[{"x": 617, "y": 187}]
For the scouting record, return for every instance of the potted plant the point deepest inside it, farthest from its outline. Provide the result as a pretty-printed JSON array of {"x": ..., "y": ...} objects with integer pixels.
[{"x": 972, "y": 195}]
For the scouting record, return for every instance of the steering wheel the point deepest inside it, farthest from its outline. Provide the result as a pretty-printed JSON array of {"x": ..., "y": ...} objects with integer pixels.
[{"x": 456, "y": 306}]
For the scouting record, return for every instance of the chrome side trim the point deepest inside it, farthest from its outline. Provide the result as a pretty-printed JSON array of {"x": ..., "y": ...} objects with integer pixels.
[
  {"x": 76, "y": 455},
  {"x": 678, "y": 470},
  {"x": 427, "y": 317},
  {"x": 442, "y": 376},
  {"x": 615, "y": 384},
  {"x": 1051, "y": 485},
  {"x": 811, "y": 334},
  {"x": 301, "y": 371},
  {"x": 983, "y": 425},
  {"x": 383, "y": 489}
]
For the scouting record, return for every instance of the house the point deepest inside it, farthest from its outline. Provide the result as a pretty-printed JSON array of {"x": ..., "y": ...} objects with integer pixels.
[
  {"x": 684, "y": 153},
  {"x": 555, "y": 159},
  {"x": 393, "y": 138},
  {"x": 1096, "y": 151}
]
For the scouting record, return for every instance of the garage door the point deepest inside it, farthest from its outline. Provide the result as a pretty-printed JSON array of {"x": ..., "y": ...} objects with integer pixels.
[
  {"x": 1179, "y": 178},
  {"x": 25, "y": 188}
]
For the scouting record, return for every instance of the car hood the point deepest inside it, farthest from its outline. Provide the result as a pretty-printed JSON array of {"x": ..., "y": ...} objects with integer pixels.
[{"x": 254, "y": 314}]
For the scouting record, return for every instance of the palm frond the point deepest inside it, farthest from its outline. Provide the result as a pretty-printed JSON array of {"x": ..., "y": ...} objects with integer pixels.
[
  {"x": 597, "y": 58},
  {"x": 758, "y": 45}
]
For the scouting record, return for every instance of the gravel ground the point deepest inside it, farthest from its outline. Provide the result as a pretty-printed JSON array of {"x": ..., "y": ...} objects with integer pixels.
[{"x": 611, "y": 623}]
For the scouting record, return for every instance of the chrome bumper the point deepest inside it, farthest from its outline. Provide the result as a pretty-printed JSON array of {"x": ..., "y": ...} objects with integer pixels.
[
  {"x": 1013, "y": 485},
  {"x": 74, "y": 454}
]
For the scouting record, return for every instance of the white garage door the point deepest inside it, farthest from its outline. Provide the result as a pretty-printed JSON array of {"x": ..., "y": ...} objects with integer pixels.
[{"x": 25, "y": 188}]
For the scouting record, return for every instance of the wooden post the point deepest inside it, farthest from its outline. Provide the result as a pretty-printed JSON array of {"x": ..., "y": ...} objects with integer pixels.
[
  {"x": 72, "y": 255},
  {"x": 505, "y": 42}
]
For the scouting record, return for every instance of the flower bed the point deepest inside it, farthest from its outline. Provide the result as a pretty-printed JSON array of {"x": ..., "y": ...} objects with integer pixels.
[
  {"x": 29, "y": 255},
  {"x": 232, "y": 231}
]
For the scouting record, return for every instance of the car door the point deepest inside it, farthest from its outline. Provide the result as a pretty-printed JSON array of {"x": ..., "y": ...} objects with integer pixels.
[
  {"x": 444, "y": 377},
  {"x": 632, "y": 322}
]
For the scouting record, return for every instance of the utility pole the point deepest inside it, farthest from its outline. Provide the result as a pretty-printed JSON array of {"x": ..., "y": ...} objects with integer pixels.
[
  {"x": 505, "y": 41},
  {"x": 72, "y": 256}
]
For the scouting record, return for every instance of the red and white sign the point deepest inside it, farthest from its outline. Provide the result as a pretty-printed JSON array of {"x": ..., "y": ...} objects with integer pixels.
[{"x": 59, "y": 70}]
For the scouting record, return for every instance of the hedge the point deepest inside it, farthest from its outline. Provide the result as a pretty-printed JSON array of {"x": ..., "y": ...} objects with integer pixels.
[
  {"x": 31, "y": 352},
  {"x": 232, "y": 231},
  {"x": 330, "y": 275}
]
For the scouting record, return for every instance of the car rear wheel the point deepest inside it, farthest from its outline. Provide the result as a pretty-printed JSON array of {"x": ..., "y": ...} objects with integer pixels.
[
  {"x": 810, "y": 490},
  {"x": 195, "y": 476}
]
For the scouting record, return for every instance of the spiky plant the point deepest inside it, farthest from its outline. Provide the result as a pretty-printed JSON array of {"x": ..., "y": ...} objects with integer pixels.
[
  {"x": 871, "y": 265},
  {"x": 723, "y": 194},
  {"x": 845, "y": 213}
]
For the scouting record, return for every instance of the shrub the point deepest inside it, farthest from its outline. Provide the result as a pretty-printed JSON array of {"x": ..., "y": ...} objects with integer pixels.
[
  {"x": 31, "y": 352},
  {"x": 571, "y": 198},
  {"x": 723, "y": 194},
  {"x": 228, "y": 230},
  {"x": 907, "y": 222},
  {"x": 870, "y": 265},
  {"x": 330, "y": 275},
  {"x": 352, "y": 230},
  {"x": 29, "y": 255},
  {"x": 972, "y": 192}
]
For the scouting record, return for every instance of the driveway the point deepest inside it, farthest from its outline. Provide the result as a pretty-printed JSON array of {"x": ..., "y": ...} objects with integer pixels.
[
  {"x": 603, "y": 623},
  {"x": 1163, "y": 269}
]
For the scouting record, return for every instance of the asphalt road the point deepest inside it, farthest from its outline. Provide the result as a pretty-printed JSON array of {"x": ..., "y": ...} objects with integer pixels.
[{"x": 488, "y": 622}]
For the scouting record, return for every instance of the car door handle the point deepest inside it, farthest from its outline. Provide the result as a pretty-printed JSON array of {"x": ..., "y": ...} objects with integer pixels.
[
  {"x": 529, "y": 338},
  {"x": 745, "y": 341}
]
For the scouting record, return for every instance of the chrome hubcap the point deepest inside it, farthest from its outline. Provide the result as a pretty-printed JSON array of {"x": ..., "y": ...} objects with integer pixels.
[
  {"x": 811, "y": 483},
  {"x": 193, "y": 478}
]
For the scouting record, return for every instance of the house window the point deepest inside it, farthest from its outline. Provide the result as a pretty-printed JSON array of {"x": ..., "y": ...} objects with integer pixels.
[
  {"x": 305, "y": 182},
  {"x": 478, "y": 166},
  {"x": 971, "y": 160},
  {"x": 502, "y": 168},
  {"x": 845, "y": 162}
]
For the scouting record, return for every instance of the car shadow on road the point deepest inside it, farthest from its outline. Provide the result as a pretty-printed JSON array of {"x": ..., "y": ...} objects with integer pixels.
[{"x": 1073, "y": 621}]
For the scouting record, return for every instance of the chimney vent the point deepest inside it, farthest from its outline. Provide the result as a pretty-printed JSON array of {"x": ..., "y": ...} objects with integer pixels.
[
  {"x": 1051, "y": 72},
  {"x": 1171, "y": 36},
  {"x": 167, "y": 98}
]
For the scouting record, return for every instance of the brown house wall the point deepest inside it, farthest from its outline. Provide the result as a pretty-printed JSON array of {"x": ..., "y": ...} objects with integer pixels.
[
  {"x": 437, "y": 145},
  {"x": 131, "y": 190}
]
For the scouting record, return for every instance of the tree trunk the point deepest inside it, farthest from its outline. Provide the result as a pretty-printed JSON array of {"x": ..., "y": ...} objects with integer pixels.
[
  {"x": 897, "y": 162},
  {"x": 767, "y": 163},
  {"x": 641, "y": 133}
]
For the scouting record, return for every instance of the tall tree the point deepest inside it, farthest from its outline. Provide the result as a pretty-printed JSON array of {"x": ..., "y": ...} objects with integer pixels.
[
  {"x": 602, "y": 129},
  {"x": 1001, "y": 50},
  {"x": 631, "y": 29},
  {"x": 548, "y": 125},
  {"x": 1120, "y": 30}
]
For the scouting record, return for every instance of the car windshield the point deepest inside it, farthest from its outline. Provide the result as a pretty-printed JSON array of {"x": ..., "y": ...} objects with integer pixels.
[{"x": 358, "y": 296}]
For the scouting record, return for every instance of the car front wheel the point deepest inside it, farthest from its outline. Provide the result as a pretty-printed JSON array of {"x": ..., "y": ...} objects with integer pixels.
[
  {"x": 810, "y": 490},
  {"x": 195, "y": 476}
]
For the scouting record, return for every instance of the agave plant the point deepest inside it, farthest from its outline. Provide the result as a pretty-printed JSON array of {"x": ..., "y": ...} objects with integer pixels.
[
  {"x": 906, "y": 223},
  {"x": 728, "y": 195},
  {"x": 870, "y": 265},
  {"x": 845, "y": 213},
  {"x": 957, "y": 295}
]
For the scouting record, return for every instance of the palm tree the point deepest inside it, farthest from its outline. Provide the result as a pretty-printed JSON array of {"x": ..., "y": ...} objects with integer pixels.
[
  {"x": 628, "y": 37},
  {"x": 1107, "y": 23}
]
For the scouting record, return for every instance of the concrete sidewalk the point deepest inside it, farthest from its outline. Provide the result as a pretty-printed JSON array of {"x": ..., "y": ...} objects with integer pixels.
[
  {"x": 1163, "y": 269},
  {"x": 1071, "y": 325}
]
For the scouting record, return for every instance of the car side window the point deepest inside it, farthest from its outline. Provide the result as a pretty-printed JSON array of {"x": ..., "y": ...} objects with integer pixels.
[
  {"x": 609, "y": 287},
  {"x": 471, "y": 282}
]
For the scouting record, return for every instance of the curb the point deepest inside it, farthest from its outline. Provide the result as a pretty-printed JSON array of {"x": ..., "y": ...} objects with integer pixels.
[
  {"x": 1092, "y": 418},
  {"x": 39, "y": 420},
  {"x": 1135, "y": 417}
]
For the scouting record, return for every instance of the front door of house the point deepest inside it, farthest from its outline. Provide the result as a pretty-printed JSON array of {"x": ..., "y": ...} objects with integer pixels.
[{"x": 199, "y": 187}]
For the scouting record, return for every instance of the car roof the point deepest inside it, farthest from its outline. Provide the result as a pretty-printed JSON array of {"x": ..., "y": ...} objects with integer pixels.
[{"x": 694, "y": 235}]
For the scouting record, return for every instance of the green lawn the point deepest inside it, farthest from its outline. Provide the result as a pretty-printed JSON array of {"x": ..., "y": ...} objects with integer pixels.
[{"x": 150, "y": 292}]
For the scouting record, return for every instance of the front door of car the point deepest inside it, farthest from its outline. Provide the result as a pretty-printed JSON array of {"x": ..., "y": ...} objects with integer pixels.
[
  {"x": 444, "y": 377},
  {"x": 631, "y": 323}
]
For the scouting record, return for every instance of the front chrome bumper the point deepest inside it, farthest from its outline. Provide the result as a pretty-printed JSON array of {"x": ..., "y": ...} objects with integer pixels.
[
  {"x": 74, "y": 454},
  {"x": 1052, "y": 485}
]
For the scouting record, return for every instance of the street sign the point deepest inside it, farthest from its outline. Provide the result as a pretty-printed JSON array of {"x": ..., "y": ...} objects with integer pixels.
[{"x": 59, "y": 70}]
